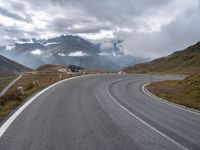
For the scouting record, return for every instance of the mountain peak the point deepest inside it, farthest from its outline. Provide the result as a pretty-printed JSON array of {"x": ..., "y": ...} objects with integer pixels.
[
  {"x": 195, "y": 46},
  {"x": 69, "y": 49}
]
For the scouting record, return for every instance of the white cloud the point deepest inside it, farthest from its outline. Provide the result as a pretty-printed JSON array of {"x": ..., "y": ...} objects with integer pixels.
[
  {"x": 10, "y": 47},
  {"x": 36, "y": 52},
  {"x": 96, "y": 36},
  {"x": 61, "y": 54},
  {"x": 149, "y": 28},
  {"x": 78, "y": 54}
]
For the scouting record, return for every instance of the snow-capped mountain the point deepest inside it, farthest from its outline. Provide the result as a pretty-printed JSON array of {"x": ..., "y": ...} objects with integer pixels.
[{"x": 69, "y": 50}]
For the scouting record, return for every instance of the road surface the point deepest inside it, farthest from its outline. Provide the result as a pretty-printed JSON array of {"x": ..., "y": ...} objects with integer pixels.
[{"x": 102, "y": 112}]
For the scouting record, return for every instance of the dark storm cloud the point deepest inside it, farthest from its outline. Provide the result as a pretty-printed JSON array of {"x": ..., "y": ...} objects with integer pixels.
[
  {"x": 15, "y": 10},
  {"x": 178, "y": 34},
  {"x": 14, "y": 33},
  {"x": 7, "y": 13},
  {"x": 120, "y": 12},
  {"x": 69, "y": 26},
  {"x": 117, "y": 11}
]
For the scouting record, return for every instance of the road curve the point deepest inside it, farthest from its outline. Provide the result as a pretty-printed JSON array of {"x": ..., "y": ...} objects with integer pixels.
[{"x": 102, "y": 112}]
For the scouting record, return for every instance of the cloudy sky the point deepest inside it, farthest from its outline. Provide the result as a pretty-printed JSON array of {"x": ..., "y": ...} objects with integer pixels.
[{"x": 149, "y": 28}]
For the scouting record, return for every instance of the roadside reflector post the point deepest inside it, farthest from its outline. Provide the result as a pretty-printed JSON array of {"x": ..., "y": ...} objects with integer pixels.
[{"x": 20, "y": 90}]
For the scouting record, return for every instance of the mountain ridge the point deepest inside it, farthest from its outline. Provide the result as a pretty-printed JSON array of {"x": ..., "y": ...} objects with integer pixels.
[
  {"x": 68, "y": 49},
  {"x": 186, "y": 61},
  {"x": 10, "y": 68}
]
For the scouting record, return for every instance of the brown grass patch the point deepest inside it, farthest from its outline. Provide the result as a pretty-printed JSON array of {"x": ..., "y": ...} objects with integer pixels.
[
  {"x": 177, "y": 92},
  {"x": 5, "y": 81},
  {"x": 12, "y": 99}
]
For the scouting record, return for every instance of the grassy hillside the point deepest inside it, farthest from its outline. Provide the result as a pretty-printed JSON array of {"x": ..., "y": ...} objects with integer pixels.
[
  {"x": 5, "y": 81},
  {"x": 50, "y": 68},
  {"x": 10, "y": 68},
  {"x": 185, "y": 92},
  {"x": 181, "y": 62}
]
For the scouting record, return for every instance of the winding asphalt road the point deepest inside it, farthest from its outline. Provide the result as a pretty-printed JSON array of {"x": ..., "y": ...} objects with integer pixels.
[{"x": 102, "y": 112}]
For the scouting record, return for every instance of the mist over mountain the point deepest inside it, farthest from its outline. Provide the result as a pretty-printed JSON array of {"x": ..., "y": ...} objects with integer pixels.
[{"x": 68, "y": 49}]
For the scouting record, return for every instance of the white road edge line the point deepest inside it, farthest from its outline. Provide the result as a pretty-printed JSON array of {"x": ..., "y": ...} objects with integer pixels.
[
  {"x": 10, "y": 120},
  {"x": 145, "y": 123},
  {"x": 166, "y": 101}
]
